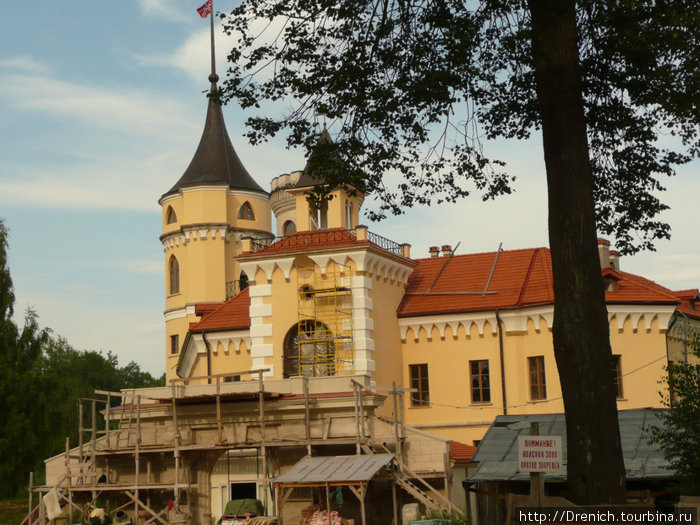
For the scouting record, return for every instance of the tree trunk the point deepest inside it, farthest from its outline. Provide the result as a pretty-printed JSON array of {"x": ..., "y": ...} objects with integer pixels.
[{"x": 596, "y": 473}]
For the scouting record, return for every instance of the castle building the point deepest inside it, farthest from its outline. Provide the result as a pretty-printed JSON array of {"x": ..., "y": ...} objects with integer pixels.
[{"x": 320, "y": 340}]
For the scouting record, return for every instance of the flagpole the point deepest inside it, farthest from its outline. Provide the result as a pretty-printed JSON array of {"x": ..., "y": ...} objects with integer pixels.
[{"x": 213, "y": 77}]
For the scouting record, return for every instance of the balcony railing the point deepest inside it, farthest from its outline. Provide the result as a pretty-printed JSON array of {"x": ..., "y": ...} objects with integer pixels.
[
  {"x": 234, "y": 287},
  {"x": 384, "y": 243},
  {"x": 320, "y": 239}
]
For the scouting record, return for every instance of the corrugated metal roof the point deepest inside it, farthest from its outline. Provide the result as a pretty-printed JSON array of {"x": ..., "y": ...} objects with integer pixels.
[
  {"x": 497, "y": 454},
  {"x": 335, "y": 469}
]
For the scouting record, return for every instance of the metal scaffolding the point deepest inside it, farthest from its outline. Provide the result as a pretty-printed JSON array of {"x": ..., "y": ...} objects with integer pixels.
[{"x": 324, "y": 340}]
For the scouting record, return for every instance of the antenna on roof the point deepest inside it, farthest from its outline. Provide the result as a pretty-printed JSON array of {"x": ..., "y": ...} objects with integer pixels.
[
  {"x": 449, "y": 258},
  {"x": 493, "y": 268}
]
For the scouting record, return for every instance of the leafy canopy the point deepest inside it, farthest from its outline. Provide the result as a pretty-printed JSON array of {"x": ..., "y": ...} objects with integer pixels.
[
  {"x": 679, "y": 437},
  {"x": 417, "y": 87}
]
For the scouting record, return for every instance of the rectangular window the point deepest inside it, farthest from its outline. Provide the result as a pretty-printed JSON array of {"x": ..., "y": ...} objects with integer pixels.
[
  {"x": 617, "y": 375},
  {"x": 538, "y": 386},
  {"x": 174, "y": 344},
  {"x": 479, "y": 381},
  {"x": 419, "y": 381}
]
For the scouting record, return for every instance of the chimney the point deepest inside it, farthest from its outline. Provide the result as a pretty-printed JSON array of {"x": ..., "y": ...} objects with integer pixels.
[
  {"x": 604, "y": 252},
  {"x": 615, "y": 260},
  {"x": 446, "y": 250},
  {"x": 434, "y": 251}
]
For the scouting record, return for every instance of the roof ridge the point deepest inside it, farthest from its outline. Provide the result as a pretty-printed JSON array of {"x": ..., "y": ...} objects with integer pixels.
[
  {"x": 526, "y": 280},
  {"x": 645, "y": 283},
  {"x": 217, "y": 309},
  {"x": 486, "y": 253}
]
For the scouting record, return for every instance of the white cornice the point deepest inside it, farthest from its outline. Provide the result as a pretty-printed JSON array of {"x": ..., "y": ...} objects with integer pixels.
[
  {"x": 366, "y": 260},
  {"x": 179, "y": 313},
  {"x": 516, "y": 320}
]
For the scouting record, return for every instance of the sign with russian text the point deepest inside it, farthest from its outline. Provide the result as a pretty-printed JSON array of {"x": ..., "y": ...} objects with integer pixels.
[{"x": 540, "y": 454}]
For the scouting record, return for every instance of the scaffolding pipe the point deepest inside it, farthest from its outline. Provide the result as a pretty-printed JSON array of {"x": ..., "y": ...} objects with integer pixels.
[
  {"x": 80, "y": 441},
  {"x": 263, "y": 449},
  {"x": 307, "y": 415}
]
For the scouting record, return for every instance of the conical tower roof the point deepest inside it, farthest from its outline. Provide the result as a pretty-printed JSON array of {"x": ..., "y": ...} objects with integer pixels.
[
  {"x": 306, "y": 179},
  {"x": 215, "y": 161}
]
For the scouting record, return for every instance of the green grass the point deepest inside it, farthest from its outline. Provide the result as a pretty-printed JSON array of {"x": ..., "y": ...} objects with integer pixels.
[{"x": 12, "y": 511}]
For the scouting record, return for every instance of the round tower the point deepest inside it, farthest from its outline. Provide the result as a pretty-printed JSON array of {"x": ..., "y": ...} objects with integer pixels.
[{"x": 210, "y": 208}]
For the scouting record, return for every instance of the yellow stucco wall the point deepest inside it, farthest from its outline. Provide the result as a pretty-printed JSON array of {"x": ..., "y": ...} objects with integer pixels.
[
  {"x": 453, "y": 415},
  {"x": 386, "y": 294},
  {"x": 204, "y": 242}
]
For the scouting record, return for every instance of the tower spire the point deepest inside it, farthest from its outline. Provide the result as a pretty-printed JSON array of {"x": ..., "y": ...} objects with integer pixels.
[{"x": 213, "y": 77}]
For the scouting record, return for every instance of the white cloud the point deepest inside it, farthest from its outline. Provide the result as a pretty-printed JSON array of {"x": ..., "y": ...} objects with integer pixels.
[
  {"x": 26, "y": 64},
  {"x": 193, "y": 57},
  {"x": 162, "y": 9},
  {"x": 155, "y": 267},
  {"x": 99, "y": 107}
]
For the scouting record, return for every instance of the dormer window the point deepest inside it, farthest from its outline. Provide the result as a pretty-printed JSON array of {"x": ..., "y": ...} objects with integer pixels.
[
  {"x": 246, "y": 212},
  {"x": 171, "y": 216}
]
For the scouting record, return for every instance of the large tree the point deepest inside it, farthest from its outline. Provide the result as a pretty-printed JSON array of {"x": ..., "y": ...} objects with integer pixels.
[
  {"x": 417, "y": 85},
  {"x": 41, "y": 378}
]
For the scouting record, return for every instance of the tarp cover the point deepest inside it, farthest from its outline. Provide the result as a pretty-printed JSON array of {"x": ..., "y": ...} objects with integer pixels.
[{"x": 240, "y": 507}]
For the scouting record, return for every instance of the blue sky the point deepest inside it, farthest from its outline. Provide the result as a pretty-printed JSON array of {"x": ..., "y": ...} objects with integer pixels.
[{"x": 101, "y": 108}]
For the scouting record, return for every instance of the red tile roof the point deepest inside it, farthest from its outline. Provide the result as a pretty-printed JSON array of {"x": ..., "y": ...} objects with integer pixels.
[
  {"x": 442, "y": 285},
  {"x": 233, "y": 314},
  {"x": 460, "y": 452},
  {"x": 636, "y": 289},
  {"x": 690, "y": 302},
  {"x": 520, "y": 278}
]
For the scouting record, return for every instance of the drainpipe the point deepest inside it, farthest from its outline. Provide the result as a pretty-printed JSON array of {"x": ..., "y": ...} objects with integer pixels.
[
  {"x": 503, "y": 368},
  {"x": 206, "y": 343}
]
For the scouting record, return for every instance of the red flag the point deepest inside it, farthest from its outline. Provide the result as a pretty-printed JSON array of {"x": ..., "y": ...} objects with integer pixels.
[{"x": 205, "y": 10}]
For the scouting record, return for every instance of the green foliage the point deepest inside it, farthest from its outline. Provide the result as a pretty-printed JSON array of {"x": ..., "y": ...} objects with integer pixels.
[
  {"x": 416, "y": 87},
  {"x": 679, "y": 437},
  {"x": 41, "y": 378}
]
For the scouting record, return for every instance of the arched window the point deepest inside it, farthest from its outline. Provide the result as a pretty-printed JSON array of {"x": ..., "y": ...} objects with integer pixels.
[
  {"x": 174, "y": 271},
  {"x": 243, "y": 281},
  {"x": 289, "y": 228},
  {"x": 246, "y": 212},
  {"x": 309, "y": 350},
  {"x": 348, "y": 215},
  {"x": 171, "y": 216}
]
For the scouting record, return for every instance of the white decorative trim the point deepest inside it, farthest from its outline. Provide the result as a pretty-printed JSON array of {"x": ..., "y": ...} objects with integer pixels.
[
  {"x": 179, "y": 313},
  {"x": 263, "y": 351},
  {"x": 362, "y": 282},
  {"x": 268, "y": 267},
  {"x": 321, "y": 261},
  {"x": 244, "y": 193},
  {"x": 260, "y": 290},
  {"x": 621, "y": 312},
  {"x": 516, "y": 321},
  {"x": 260, "y": 330},
  {"x": 259, "y": 363},
  {"x": 362, "y": 302},
  {"x": 286, "y": 266},
  {"x": 260, "y": 310}
]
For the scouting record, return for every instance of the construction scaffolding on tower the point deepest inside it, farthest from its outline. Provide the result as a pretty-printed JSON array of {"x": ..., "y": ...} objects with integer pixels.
[{"x": 324, "y": 341}]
